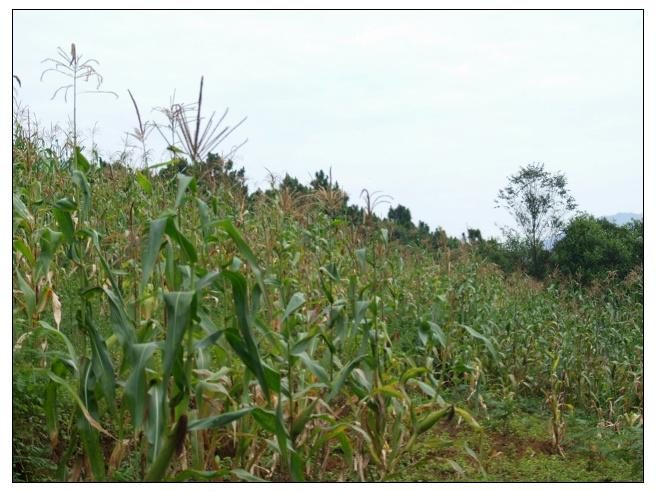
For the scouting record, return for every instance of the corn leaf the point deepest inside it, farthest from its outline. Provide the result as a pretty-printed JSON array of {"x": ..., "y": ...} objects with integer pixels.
[
  {"x": 135, "y": 386},
  {"x": 151, "y": 249},
  {"x": 178, "y": 313},
  {"x": 219, "y": 420}
]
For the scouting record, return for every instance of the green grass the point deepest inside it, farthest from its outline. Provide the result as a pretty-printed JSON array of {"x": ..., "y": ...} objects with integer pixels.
[
  {"x": 32, "y": 456},
  {"x": 522, "y": 453}
]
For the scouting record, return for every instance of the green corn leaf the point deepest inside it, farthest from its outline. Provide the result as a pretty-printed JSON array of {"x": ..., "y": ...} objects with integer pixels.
[
  {"x": 93, "y": 235},
  {"x": 178, "y": 313},
  {"x": 151, "y": 249},
  {"x": 90, "y": 436},
  {"x": 172, "y": 444},
  {"x": 303, "y": 419},
  {"x": 204, "y": 215},
  {"x": 21, "y": 246},
  {"x": 206, "y": 280},
  {"x": 467, "y": 417},
  {"x": 156, "y": 422},
  {"x": 169, "y": 266},
  {"x": 314, "y": 367},
  {"x": 243, "y": 248},
  {"x": 108, "y": 271},
  {"x": 20, "y": 209},
  {"x": 205, "y": 321},
  {"x": 122, "y": 325},
  {"x": 246, "y": 476},
  {"x": 219, "y": 420},
  {"x": 184, "y": 182},
  {"x": 87, "y": 386},
  {"x": 331, "y": 433},
  {"x": 48, "y": 242},
  {"x": 91, "y": 442},
  {"x": 432, "y": 418},
  {"x": 165, "y": 163},
  {"x": 456, "y": 467},
  {"x": 65, "y": 222},
  {"x": 426, "y": 388},
  {"x": 302, "y": 344},
  {"x": 184, "y": 243},
  {"x": 180, "y": 379},
  {"x": 266, "y": 419},
  {"x": 64, "y": 384},
  {"x": 413, "y": 372},
  {"x": 341, "y": 377},
  {"x": 282, "y": 436},
  {"x": 236, "y": 264},
  {"x": 272, "y": 377},
  {"x": 143, "y": 182},
  {"x": 325, "y": 288},
  {"x": 362, "y": 379},
  {"x": 428, "y": 329},
  {"x": 199, "y": 475},
  {"x": 297, "y": 464},
  {"x": 83, "y": 185},
  {"x": 251, "y": 360},
  {"x": 347, "y": 448},
  {"x": 28, "y": 294},
  {"x": 102, "y": 364},
  {"x": 438, "y": 333},
  {"x": 361, "y": 255},
  {"x": 248, "y": 353},
  {"x": 484, "y": 339},
  {"x": 49, "y": 330},
  {"x": 297, "y": 300},
  {"x": 360, "y": 310},
  {"x": 210, "y": 339},
  {"x": 388, "y": 390},
  {"x": 67, "y": 204},
  {"x": 135, "y": 386},
  {"x": 81, "y": 161},
  {"x": 59, "y": 368}
]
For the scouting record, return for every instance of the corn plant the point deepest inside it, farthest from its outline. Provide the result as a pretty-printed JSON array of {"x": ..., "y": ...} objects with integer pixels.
[
  {"x": 76, "y": 68},
  {"x": 188, "y": 333},
  {"x": 555, "y": 400},
  {"x": 198, "y": 139}
]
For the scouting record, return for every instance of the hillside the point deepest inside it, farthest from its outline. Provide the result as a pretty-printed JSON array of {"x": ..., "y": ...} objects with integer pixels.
[{"x": 172, "y": 327}]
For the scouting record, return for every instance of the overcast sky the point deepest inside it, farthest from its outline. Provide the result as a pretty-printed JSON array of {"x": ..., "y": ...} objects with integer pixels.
[{"x": 436, "y": 109}]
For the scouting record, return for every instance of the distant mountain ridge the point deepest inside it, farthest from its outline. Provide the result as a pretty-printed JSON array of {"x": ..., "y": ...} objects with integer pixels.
[{"x": 622, "y": 218}]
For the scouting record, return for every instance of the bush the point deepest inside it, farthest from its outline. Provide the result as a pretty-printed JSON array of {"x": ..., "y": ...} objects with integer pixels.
[{"x": 592, "y": 247}]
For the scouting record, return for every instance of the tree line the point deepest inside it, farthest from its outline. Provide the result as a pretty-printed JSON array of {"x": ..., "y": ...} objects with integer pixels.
[{"x": 548, "y": 236}]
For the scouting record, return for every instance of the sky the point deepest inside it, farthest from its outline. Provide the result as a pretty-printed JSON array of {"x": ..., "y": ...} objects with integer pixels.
[{"x": 434, "y": 108}]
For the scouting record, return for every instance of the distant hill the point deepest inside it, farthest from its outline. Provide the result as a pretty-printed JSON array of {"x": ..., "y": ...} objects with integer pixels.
[{"x": 623, "y": 218}]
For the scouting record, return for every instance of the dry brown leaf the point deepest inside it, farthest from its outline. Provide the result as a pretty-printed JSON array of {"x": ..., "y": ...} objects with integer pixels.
[
  {"x": 56, "y": 308},
  {"x": 118, "y": 454}
]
